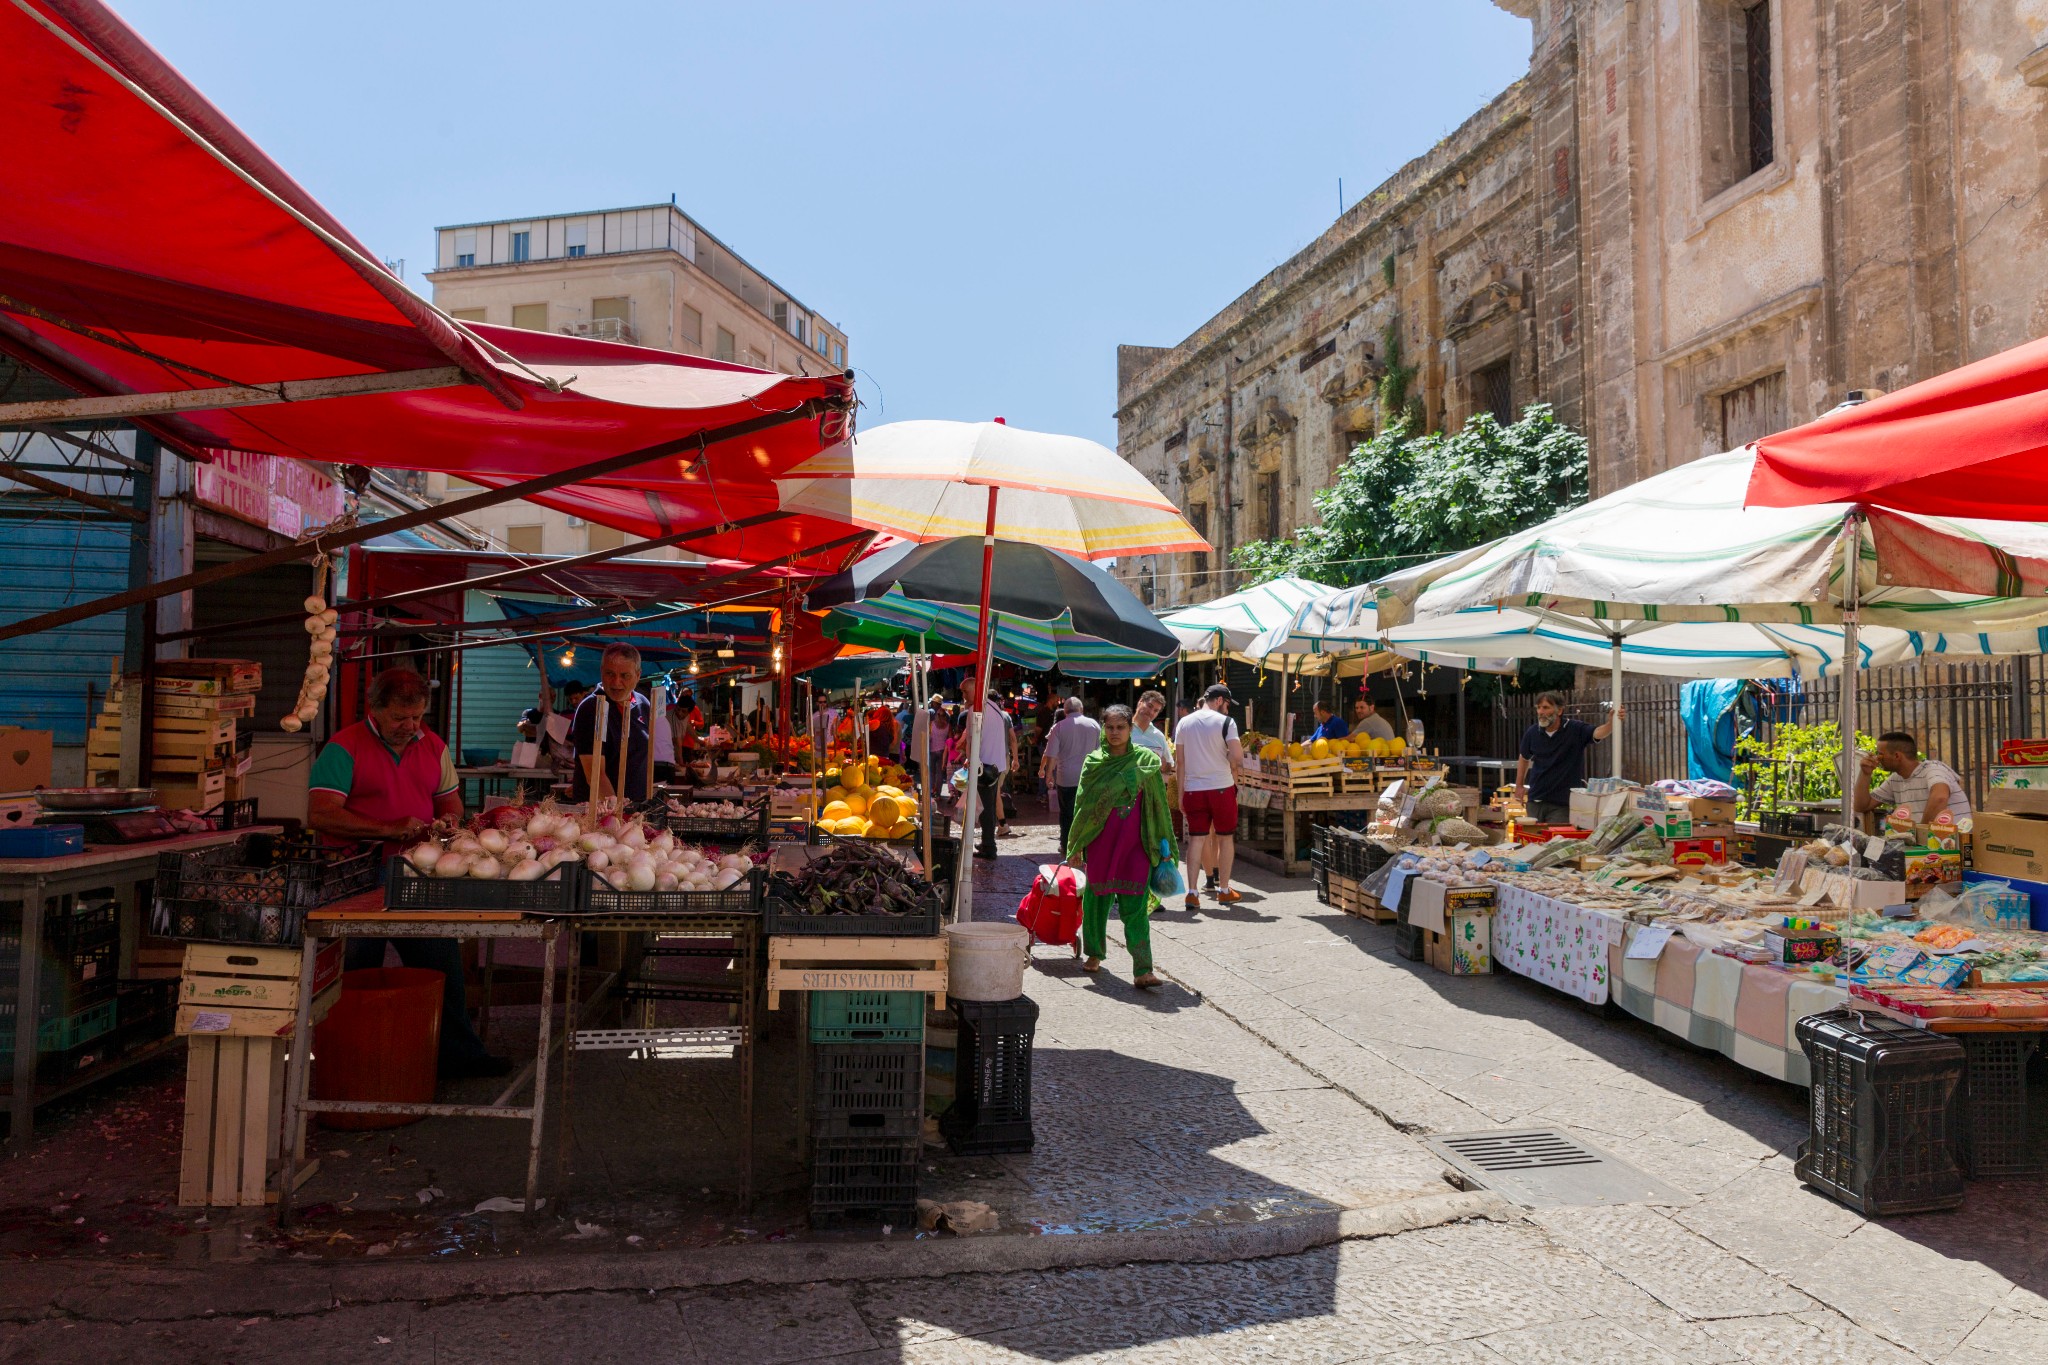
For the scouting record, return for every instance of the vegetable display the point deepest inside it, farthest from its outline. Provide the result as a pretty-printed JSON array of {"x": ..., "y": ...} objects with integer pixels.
[
  {"x": 528, "y": 843},
  {"x": 858, "y": 879},
  {"x": 710, "y": 810}
]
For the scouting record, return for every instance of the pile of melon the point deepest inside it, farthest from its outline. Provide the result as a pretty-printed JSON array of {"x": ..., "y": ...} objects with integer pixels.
[
  {"x": 1335, "y": 748},
  {"x": 866, "y": 800}
]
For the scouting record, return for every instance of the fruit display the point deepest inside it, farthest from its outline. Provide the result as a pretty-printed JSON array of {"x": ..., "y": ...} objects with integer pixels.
[
  {"x": 867, "y": 800},
  {"x": 1273, "y": 750},
  {"x": 529, "y": 843},
  {"x": 854, "y": 879}
]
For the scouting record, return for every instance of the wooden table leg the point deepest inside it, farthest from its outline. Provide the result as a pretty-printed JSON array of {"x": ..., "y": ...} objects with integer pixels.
[
  {"x": 297, "y": 1072},
  {"x": 540, "y": 1071}
]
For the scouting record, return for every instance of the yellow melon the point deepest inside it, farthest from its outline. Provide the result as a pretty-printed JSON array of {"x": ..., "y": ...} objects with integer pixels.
[
  {"x": 834, "y": 811},
  {"x": 1397, "y": 747},
  {"x": 831, "y": 775},
  {"x": 1296, "y": 751},
  {"x": 835, "y": 793},
  {"x": 852, "y": 824},
  {"x": 885, "y": 810},
  {"x": 1272, "y": 748},
  {"x": 853, "y": 776},
  {"x": 856, "y": 803},
  {"x": 1319, "y": 749}
]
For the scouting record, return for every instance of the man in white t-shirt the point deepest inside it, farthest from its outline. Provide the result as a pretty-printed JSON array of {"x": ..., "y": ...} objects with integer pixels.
[
  {"x": 998, "y": 749},
  {"x": 1207, "y": 754}
]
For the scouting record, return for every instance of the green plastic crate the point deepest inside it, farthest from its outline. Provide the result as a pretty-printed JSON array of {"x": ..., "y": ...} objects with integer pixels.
[
  {"x": 867, "y": 1017},
  {"x": 65, "y": 1031}
]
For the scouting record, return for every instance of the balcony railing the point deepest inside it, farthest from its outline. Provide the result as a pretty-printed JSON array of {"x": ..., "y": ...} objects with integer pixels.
[{"x": 602, "y": 329}]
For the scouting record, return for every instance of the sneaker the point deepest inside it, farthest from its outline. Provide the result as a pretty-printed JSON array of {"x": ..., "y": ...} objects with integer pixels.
[
  {"x": 1193, "y": 902},
  {"x": 1229, "y": 897},
  {"x": 1209, "y": 883},
  {"x": 988, "y": 853}
]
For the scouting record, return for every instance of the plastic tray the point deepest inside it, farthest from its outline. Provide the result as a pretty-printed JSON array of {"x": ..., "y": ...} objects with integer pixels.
[
  {"x": 866, "y": 1016},
  {"x": 201, "y": 920},
  {"x": 561, "y": 892},
  {"x": 264, "y": 869},
  {"x": 64, "y": 1031},
  {"x": 42, "y": 841},
  {"x": 751, "y": 828},
  {"x": 743, "y": 897},
  {"x": 781, "y": 917}
]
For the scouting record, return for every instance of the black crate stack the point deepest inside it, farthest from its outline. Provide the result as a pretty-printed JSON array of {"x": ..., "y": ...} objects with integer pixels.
[
  {"x": 867, "y": 1106},
  {"x": 1886, "y": 1108},
  {"x": 992, "y": 1100},
  {"x": 76, "y": 1011}
]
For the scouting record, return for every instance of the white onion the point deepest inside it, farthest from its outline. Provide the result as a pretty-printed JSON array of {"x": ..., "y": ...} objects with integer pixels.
[
  {"x": 667, "y": 881},
  {"x": 540, "y": 825},
  {"x": 486, "y": 869},
  {"x": 529, "y": 870},
  {"x": 596, "y": 840},
  {"x": 615, "y": 877},
  {"x": 518, "y": 851},
  {"x": 493, "y": 841},
  {"x": 634, "y": 836},
  {"x": 736, "y": 860},
  {"x": 663, "y": 842},
  {"x": 424, "y": 856},
  {"x": 726, "y": 879},
  {"x": 464, "y": 843},
  {"x": 321, "y": 649},
  {"x": 599, "y": 860},
  {"x": 452, "y": 864},
  {"x": 329, "y": 616},
  {"x": 566, "y": 855},
  {"x": 691, "y": 857},
  {"x": 640, "y": 877}
]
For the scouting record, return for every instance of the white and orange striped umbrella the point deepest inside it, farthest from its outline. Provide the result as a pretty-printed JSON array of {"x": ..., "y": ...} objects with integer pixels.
[{"x": 929, "y": 480}]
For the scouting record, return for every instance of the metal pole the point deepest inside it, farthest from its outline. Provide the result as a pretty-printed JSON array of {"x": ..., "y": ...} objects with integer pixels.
[
  {"x": 963, "y": 880},
  {"x": 1614, "y": 735},
  {"x": 1852, "y": 533}
]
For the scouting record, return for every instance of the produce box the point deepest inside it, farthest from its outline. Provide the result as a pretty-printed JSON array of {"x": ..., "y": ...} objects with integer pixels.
[
  {"x": 1590, "y": 811},
  {"x": 1464, "y": 948},
  {"x": 1668, "y": 820},
  {"x": 2019, "y": 777},
  {"x": 2010, "y": 845},
  {"x": 1688, "y": 854},
  {"x": 1706, "y": 811},
  {"x": 24, "y": 758},
  {"x": 1853, "y": 893},
  {"x": 1432, "y": 904},
  {"x": 236, "y": 1021},
  {"x": 262, "y": 978},
  {"x": 2016, "y": 800},
  {"x": 1802, "y": 945},
  {"x": 1925, "y": 869},
  {"x": 2023, "y": 752}
]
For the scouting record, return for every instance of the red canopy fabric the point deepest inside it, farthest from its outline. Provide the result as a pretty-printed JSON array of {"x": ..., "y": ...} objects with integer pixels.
[
  {"x": 137, "y": 212},
  {"x": 1969, "y": 443},
  {"x": 377, "y": 571}
]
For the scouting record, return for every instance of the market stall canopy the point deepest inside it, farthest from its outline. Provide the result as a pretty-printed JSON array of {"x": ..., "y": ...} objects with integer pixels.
[
  {"x": 1680, "y": 546},
  {"x": 667, "y": 635},
  {"x": 1343, "y": 626},
  {"x": 377, "y": 572},
  {"x": 153, "y": 257},
  {"x": 1041, "y": 645},
  {"x": 1228, "y": 625},
  {"x": 1969, "y": 443},
  {"x": 930, "y": 481}
]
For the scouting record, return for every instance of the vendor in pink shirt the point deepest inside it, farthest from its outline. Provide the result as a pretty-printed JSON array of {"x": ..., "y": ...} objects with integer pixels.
[{"x": 388, "y": 778}]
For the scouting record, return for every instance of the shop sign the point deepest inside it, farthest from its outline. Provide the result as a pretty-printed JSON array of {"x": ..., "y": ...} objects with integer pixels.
[{"x": 279, "y": 494}]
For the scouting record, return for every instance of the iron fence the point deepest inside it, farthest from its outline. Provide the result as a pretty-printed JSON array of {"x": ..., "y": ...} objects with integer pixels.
[{"x": 1652, "y": 734}]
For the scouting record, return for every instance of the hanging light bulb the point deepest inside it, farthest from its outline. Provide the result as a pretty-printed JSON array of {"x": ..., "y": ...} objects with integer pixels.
[
  {"x": 693, "y": 665},
  {"x": 568, "y": 656}
]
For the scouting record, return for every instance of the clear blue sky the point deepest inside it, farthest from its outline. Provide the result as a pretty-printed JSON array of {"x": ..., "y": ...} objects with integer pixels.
[{"x": 989, "y": 199}]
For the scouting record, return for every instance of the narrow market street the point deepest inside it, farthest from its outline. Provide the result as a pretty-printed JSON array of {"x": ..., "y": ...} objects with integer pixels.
[{"x": 1230, "y": 1168}]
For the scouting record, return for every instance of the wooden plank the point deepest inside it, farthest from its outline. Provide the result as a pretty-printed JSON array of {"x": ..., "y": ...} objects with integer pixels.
[
  {"x": 195, "y": 1156},
  {"x": 228, "y": 1096},
  {"x": 820, "y": 948},
  {"x": 330, "y": 912},
  {"x": 242, "y": 1022},
  {"x": 257, "y": 1123},
  {"x": 930, "y": 982}
]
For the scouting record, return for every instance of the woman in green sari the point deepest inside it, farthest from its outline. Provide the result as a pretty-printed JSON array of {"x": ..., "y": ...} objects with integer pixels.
[{"x": 1121, "y": 831}]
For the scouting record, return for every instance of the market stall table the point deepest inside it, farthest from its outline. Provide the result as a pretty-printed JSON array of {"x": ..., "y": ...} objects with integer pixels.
[
  {"x": 493, "y": 780},
  {"x": 364, "y": 916},
  {"x": 38, "y": 883}
]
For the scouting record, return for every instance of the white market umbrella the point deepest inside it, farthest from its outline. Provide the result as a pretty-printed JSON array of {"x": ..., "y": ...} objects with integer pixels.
[
  {"x": 1343, "y": 624},
  {"x": 1681, "y": 547},
  {"x": 932, "y": 480}
]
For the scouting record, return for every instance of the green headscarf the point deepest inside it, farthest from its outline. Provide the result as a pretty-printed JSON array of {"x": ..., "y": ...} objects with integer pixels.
[{"x": 1111, "y": 782}]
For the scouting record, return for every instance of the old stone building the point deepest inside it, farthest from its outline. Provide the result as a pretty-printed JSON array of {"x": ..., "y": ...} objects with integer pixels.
[{"x": 1693, "y": 222}]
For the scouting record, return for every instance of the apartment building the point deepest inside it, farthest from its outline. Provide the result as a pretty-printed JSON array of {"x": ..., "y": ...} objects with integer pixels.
[{"x": 649, "y": 276}]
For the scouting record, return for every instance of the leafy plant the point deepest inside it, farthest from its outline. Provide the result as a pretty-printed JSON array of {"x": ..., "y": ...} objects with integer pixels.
[{"x": 1798, "y": 764}]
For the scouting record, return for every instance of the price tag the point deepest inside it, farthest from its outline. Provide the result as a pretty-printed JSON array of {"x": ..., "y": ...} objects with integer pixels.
[
  {"x": 1481, "y": 859},
  {"x": 211, "y": 1021},
  {"x": 1815, "y": 892},
  {"x": 1873, "y": 850},
  {"x": 1648, "y": 944}
]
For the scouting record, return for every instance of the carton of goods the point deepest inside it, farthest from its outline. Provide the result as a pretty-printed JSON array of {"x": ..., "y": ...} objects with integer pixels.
[
  {"x": 1804, "y": 943},
  {"x": 1591, "y": 810},
  {"x": 24, "y": 759},
  {"x": 1464, "y": 948},
  {"x": 1851, "y": 893},
  {"x": 1668, "y": 820},
  {"x": 2019, "y": 777},
  {"x": 2037, "y": 892},
  {"x": 1927, "y": 868},
  {"x": 2023, "y": 752},
  {"x": 2010, "y": 845},
  {"x": 1431, "y": 904},
  {"x": 1690, "y": 854},
  {"x": 1708, "y": 811},
  {"x": 2016, "y": 800}
]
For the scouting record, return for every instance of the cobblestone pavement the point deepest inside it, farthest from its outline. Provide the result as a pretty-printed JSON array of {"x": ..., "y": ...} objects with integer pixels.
[{"x": 1289, "y": 1069}]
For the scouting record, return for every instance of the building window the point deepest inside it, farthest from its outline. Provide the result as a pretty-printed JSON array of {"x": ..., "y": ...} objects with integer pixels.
[
  {"x": 532, "y": 316},
  {"x": 463, "y": 258},
  {"x": 726, "y": 347},
  {"x": 1198, "y": 517},
  {"x": 523, "y": 540},
  {"x": 576, "y": 238},
  {"x": 1754, "y": 411},
  {"x": 690, "y": 327},
  {"x": 1269, "y": 506},
  {"x": 465, "y": 249},
  {"x": 755, "y": 360},
  {"x": 611, "y": 319},
  {"x": 605, "y": 537},
  {"x": 1756, "y": 74},
  {"x": 1493, "y": 391},
  {"x": 468, "y": 315},
  {"x": 839, "y": 354},
  {"x": 522, "y": 246}
]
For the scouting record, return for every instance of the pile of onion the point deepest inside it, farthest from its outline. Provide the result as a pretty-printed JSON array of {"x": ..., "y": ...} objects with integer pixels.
[{"x": 522, "y": 843}]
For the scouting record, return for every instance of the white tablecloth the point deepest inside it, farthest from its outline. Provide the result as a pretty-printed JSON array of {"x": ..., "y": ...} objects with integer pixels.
[{"x": 1555, "y": 942}]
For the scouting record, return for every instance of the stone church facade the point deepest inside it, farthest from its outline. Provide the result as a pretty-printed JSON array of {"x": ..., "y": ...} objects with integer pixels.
[{"x": 1692, "y": 223}]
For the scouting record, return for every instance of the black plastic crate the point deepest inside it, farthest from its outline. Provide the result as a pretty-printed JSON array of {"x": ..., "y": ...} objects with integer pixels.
[
  {"x": 863, "y": 1179},
  {"x": 202, "y": 920},
  {"x": 751, "y": 828},
  {"x": 743, "y": 897},
  {"x": 1885, "y": 1106},
  {"x": 145, "y": 1012},
  {"x": 267, "y": 869},
  {"x": 55, "y": 1068},
  {"x": 1998, "y": 1138},
  {"x": 992, "y": 1074},
  {"x": 909, "y": 851},
  {"x": 561, "y": 892},
  {"x": 1410, "y": 940},
  {"x": 867, "y": 1090},
  {"x": 987, "y": 1139}
]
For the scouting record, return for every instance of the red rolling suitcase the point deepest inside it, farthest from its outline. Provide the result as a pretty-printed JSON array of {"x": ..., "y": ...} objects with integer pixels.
[{"x": 1051, "y": 909}]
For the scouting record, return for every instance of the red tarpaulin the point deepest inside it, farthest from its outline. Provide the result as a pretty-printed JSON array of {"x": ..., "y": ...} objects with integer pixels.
[
  {"x": 376, "y": 572},
  {"x": 135, "y": 211},
  {"x": 1969, "y": 443}
]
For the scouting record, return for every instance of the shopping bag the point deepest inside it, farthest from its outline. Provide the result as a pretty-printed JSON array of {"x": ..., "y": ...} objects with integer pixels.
[
  {"x": 1051, "y": 909},
  {"x": 1166, "y": 879}
]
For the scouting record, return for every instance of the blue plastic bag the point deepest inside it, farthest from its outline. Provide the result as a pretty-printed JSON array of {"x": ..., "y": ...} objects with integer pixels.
[{"x": 1166, "y": 879}]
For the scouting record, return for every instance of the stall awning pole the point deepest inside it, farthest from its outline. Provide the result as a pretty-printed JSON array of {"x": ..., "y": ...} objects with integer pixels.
[
  {"x": 1613, "y": 719},
  {"x": 122, "y": 406}
]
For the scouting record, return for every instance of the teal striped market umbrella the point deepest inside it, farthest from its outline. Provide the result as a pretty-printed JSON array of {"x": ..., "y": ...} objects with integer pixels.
[{"x": 934, "y": 627}]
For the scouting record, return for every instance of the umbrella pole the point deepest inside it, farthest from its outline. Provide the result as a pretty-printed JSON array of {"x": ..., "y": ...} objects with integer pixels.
[
  {"x": 1851, "y": 756},
  {"x": 919, "y": 685},
  {"x": 963, "y": 880},
  {"x": 1614, "y": 734}
]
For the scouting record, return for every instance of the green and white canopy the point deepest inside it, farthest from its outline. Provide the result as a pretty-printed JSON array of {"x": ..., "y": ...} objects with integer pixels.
[
  {"x": 1680, "y": 546},
  {"x": 1226, "y": 626},
  {"x": 1343, "y": 624}
]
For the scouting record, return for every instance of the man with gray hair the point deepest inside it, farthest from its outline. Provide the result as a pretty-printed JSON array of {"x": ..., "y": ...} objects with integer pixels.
[
  {"x": 1073, "y": 737},
  {"x": 627, "y": 721}
]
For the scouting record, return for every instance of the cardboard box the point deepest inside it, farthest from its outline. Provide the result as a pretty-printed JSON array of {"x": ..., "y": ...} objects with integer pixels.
[
  {"x": 1802, "y": 945},
  {"x": 1431, "y": 905},
  {"x": 1465, "y": 948},
  {"x": 24, "y": 758},
  {"x": 1589, "y": 811},
  {"x": 2023, "y": 751},
  {"x": 1709, "y": 812},
  {"x": 1853, "y": 893},
  {"x": 2009, "y": 845},
  {"x": 2019, "y": 777},
  {"x": 1688, "y": 854},
  {"x": 1927, "y": 868},
  {"x": 2016, "y": 800},
  {"x": 1669, "y": 820}
]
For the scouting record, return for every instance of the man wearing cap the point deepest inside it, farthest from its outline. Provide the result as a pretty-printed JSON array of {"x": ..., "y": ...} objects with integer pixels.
[{"x": 1208, "y": 754}]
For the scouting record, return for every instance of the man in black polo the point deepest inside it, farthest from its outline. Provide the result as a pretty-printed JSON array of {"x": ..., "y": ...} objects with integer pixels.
[{"x": 1553, "y": 759}]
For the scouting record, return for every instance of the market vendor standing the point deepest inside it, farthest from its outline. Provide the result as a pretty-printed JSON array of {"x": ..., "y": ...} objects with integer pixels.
[
  {"x": 1366, "y": 720},
  {"x": 1922, "y": 787},
  {"x": 628, "y": 720},
  {"x": 1329, "y": 725},
  {"x": 389, "y": 778},
  {"x": 1553, "y": 759}
]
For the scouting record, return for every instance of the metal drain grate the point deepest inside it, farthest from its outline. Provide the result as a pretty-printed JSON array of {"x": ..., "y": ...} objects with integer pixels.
[{"x": 1544, "y": 1168}]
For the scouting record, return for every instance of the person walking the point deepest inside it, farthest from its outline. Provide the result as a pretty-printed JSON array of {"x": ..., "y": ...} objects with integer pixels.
[
  {"x": 1119, "y": 833},
  {"x": 998, "y": 751},
  {"x": 1208, "y": 755},
  {"x": 1074, "y": 737}
]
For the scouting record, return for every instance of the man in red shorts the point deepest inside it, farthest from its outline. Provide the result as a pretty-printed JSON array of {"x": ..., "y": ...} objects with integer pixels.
[{"x": 1208, "y": 755}]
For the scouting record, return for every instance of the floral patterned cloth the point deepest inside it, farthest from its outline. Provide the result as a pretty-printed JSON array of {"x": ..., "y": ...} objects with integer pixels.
[{"x": 1555, "y": 942}]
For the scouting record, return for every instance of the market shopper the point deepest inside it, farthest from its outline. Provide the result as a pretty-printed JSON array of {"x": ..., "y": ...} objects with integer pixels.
[
  {"x": 1924, "y": 788},
  {"x": 1120, "y": 832},
  {"x": 998, "y": 749},
  {"x": 1553, "y": 759},
  {"x": 1074, "y": 737},
  {"x": 1145, "y": 730},
  {"x": 1209, "y": 755},
  {"x": 627, "y": 722},
  {"x": 387, "y": 777},
  {"x": 1366, "y": 720}
]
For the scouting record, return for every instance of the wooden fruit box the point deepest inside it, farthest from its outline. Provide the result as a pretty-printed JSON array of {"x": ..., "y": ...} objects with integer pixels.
[
  {"x": 259, "y": 978},
  {"x": 1322, "y": 785},
  {"x": 234, "y": 1123},
  {"x": 1300, "y": 767},
  {"x": 241, "y": 1021},
  {"x": 1345, "y": 895},
  {"x": 819, "y": 963}
]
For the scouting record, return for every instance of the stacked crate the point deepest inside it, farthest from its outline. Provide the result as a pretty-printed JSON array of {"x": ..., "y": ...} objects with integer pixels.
[
  {"x": 76, "y": 1011},
  {"x": 199, "y": 737},
  {"x": 992, "y": 1077},
  {"x": 867, "y": 1105}
]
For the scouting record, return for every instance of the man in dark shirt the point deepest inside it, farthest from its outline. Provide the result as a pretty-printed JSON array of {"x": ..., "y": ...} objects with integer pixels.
[
  {"x": 598, "y": 772},
  {"x": 1553, "y": 759}
]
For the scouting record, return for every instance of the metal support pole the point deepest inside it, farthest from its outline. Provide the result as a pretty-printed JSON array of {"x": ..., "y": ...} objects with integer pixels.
[
  {"x": 1614, "y": 735},
  {"x": 963, "y": 879}
]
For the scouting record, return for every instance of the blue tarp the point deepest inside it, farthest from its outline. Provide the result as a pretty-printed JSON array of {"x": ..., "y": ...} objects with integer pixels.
[{"x": 1708, "y": 709}]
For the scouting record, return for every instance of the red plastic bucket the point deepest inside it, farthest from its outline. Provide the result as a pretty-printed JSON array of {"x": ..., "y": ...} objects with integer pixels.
[{"x": 381, "y": 1041}]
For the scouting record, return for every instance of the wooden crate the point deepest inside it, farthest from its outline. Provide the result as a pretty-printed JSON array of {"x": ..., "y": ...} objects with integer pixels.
[
  {"x": 244, "y": 1021},
  {"x": 1322, "y": 784},
  {"x": 234, "y": 1120},
  {"x": 1345, "y": 895},
  {"x": 194, "y": 791},
  {"x": 256, "y": 978},
  {"x": 825, "y": 963}
]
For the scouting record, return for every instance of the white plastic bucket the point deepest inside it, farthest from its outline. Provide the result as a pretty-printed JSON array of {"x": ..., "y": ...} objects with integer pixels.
[{"x": 986, "y": 961}]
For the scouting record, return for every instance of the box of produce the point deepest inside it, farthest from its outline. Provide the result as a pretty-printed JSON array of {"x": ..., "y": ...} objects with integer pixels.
[
  {"x": 2010, "y": 845},
  {"x": 1670, "y": 821},
  {"x": 1808, "y": 943},
  {"x": 2023, "y": 752},
  {"x": 855, "y": 888},
  {"x": 1689, "y": 854}
]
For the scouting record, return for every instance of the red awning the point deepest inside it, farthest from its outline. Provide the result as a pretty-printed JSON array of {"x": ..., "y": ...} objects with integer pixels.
[
  {"x": 1969, "y": 443},
  {"x": 148, "y": 246},
  {"x": 376, "y": 572}
]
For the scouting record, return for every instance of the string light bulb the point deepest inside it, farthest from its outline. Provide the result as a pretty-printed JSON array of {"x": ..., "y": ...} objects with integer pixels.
[{"x": 568, "y": 656}]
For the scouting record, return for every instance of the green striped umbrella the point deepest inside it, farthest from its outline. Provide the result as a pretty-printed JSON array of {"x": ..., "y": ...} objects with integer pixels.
[{"x": 944, "y": 627}]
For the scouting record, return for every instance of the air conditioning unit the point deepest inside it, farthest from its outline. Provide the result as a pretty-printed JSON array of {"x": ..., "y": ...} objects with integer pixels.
[{"x": 575, "y": 521}]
